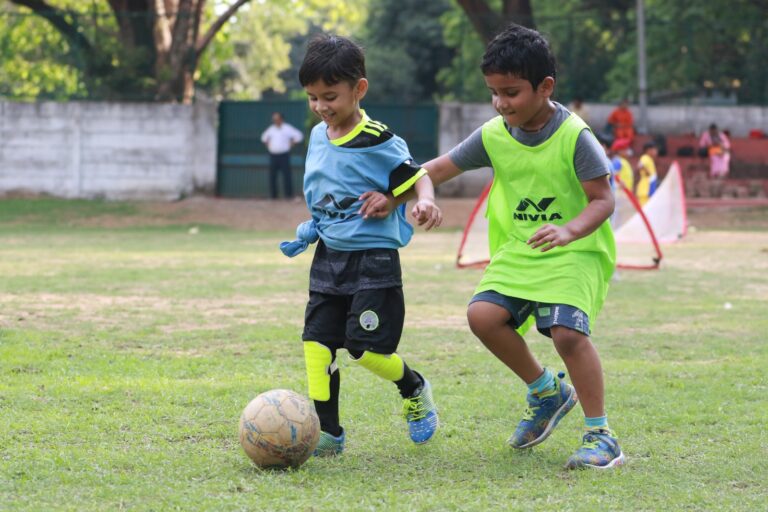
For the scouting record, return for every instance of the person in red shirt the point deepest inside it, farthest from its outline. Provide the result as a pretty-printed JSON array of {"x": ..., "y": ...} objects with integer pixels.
[{"x": 622, "y": 122}]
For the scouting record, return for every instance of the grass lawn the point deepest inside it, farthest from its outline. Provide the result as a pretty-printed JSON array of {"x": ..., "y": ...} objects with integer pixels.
[{"x": 127, "y": 354}]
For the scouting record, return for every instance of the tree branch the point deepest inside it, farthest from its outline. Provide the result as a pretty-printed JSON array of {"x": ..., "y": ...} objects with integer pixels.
[
  {"x": 197, "y": 20},
  {"x": 204, "y": 41},
  {"x": 55, "y": 17},
  {"x": 481, "y": 16},
  {"x": 518, "y": 11}
]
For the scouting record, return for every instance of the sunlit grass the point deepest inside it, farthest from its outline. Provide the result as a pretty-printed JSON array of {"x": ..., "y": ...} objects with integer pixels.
[{"x": 127, "y": 355}]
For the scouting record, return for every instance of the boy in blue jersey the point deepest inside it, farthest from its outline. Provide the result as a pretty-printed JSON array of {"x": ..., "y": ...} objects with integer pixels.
[
  {"x": 552, "y": 249},
  {"x": 355, "y": 286}
]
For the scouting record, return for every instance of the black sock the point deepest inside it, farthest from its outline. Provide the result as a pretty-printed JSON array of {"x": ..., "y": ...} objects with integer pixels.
[
  {"x": 410, "y": 384},
  {"x": 328, "y": 411}
]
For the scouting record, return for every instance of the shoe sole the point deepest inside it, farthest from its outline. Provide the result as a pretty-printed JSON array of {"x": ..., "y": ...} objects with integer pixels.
[
  {"x": 617, "y": 461},
  {"x": 559, "y": 415}
]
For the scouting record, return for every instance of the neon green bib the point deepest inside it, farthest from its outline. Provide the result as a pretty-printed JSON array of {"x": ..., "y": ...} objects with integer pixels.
[{"x": 533, "y": 186}]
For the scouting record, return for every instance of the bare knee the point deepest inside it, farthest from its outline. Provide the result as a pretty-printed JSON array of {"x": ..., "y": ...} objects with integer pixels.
[
  {"x": 569, "y": 342},
  {"x": 485, "y": 318}
]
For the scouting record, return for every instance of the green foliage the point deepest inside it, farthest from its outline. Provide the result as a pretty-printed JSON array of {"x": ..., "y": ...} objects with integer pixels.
[
  {"x": 249, "y": 54},
  {"x": 28, "y": 68},
  {"x": 416, "y": 51},
  {"x": 254, "y": 53},
  {"x": 405, "y": 49},
  {"x": 462, "y": 80},
  {"x": 693, "y": 49}
]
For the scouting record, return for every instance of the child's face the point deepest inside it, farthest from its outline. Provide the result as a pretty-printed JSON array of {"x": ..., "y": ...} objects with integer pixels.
[
  {"x": 339, "y": 104},
  {"x": 516, "y": 100}
]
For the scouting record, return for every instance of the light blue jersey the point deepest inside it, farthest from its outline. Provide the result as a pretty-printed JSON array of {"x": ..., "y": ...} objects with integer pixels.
[{"x": 335, "y": 177}]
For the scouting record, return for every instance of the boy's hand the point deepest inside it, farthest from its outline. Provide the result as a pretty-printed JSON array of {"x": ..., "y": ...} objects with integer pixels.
[
  {"x": 427, "y": 214},
  {"x": 551, "y": 235},
  {"x": 376, "y": 205}
]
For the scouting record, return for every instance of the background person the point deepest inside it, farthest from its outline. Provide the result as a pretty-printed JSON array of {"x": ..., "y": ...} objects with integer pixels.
[
  {"x": 646, "y": 171},
  {"x": 622, "y": 122},
  {"x": 280, "y": 137},
  {"x": 620, "y": 152},
  {"x": 578, "y": 107},
  {"x": 718, "y": 149}
]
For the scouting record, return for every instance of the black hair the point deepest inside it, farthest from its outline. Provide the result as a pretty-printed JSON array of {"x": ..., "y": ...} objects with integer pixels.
[
  {"x": 521, "y": 52},
  {"x": 648, "y": 145},
  {"x": 332, "y": 59}
]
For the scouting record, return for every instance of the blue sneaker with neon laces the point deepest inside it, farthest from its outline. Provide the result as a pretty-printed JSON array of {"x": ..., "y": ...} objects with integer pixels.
[
  {"x": 599, "y": 449},
  {"x": 420, "y": 412},
  {"x": 543, "y": 413},
  {"x": 329, "y": 446}
]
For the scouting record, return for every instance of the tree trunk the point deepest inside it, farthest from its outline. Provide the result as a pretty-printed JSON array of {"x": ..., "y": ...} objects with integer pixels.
[
  {"x": 160, "y": 37},
  {"x": 488, "y": 23}
]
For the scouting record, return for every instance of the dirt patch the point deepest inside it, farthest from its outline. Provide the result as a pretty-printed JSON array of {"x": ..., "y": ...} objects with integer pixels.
[
  {"x": 281, "y": 215},
  {"x": 255, "y": 214}
]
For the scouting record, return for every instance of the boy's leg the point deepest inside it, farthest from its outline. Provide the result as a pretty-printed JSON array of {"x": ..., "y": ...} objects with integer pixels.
[
  {"x": 599, "y": 448},
  {"x": 323, "y": 315},
  {"x": 324, "y": 384},
  {"x": 374, "y": 327},
  {"x": 583, "y": 364},
  {"x": 490, "y": 323},
  {"x": 390, "y": 367},
  {"x": 492, "y": 318},
  {"x": 419, "y": 407}
]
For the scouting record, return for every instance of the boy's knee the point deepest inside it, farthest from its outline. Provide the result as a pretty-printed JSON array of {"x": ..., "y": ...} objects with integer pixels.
[
  {"x": 568, "y": 341},
  {"x": 484, "y": 318}
]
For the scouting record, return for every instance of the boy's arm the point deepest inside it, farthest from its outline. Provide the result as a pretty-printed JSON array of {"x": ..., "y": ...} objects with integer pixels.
[
  {"x": 597, "y": 211},
  {"x": 377, "y": 205},
  {"x": 425, "y": 211},
  {"x": 440, "y": 170}
]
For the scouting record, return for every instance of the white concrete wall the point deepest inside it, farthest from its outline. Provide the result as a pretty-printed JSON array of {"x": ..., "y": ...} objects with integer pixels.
[
  {"x": 107, "y": 150},
  {"x": 459, "y": 120}
]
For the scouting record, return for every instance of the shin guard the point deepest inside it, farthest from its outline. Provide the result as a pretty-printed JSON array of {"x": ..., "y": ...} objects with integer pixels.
[
  {"x": 386, "y": 366},
  {"x": 320, "y": 365}
]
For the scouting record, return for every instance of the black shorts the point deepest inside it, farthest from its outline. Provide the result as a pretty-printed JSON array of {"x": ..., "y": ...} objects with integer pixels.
[{"x": 369, "y": 320}]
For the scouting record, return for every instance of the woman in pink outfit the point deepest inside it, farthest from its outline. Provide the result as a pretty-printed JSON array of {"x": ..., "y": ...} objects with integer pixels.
[{"x": 718, "y": 148}]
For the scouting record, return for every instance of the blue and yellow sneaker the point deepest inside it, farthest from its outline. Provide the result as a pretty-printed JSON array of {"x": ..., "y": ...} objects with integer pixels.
[
  {"x": 421, "y": 414},
  {"x": 329, "y": 446},
  {"x": 543, "y": 414},
  {"x": 599, "y": 449}
]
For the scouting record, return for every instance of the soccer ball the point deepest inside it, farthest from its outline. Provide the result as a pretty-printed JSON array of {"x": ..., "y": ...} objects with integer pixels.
[{"x": 279, "y": 429}]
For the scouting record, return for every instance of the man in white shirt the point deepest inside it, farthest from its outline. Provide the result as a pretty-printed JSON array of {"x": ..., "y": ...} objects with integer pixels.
[{"x": 280, "y": 137}]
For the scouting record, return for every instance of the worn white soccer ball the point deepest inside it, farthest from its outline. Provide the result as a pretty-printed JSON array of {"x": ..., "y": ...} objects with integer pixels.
[{"x": 279, "y": 429}]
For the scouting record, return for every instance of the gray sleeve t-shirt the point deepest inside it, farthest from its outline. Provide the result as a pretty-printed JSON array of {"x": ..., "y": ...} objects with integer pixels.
[{"x": 589, "y": 159}]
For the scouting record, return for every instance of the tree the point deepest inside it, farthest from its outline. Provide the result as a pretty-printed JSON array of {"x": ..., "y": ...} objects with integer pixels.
[
  {"x": 408, "y": 39},
  {"x": 156, "y": 47},
  {"x": 27, "y": 69},
  {"x": 488, "y": 22}
]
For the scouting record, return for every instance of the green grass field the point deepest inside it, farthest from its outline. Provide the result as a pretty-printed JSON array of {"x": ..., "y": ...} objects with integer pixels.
[{"x": 128, "y": 353}]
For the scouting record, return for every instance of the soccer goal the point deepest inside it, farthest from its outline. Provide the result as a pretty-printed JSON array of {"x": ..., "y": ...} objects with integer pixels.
[{"x": 639, "y": 232}]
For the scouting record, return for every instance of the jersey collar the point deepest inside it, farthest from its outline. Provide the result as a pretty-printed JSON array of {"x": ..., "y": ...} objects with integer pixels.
[{"x": 355, "y": 131}]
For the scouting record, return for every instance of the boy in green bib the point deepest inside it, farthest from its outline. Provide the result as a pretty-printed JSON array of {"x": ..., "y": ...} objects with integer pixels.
[{"x": 551, "y": 245}]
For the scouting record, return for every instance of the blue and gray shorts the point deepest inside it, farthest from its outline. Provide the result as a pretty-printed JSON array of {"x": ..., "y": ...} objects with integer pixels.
[{"x": 547, "y": 315}]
